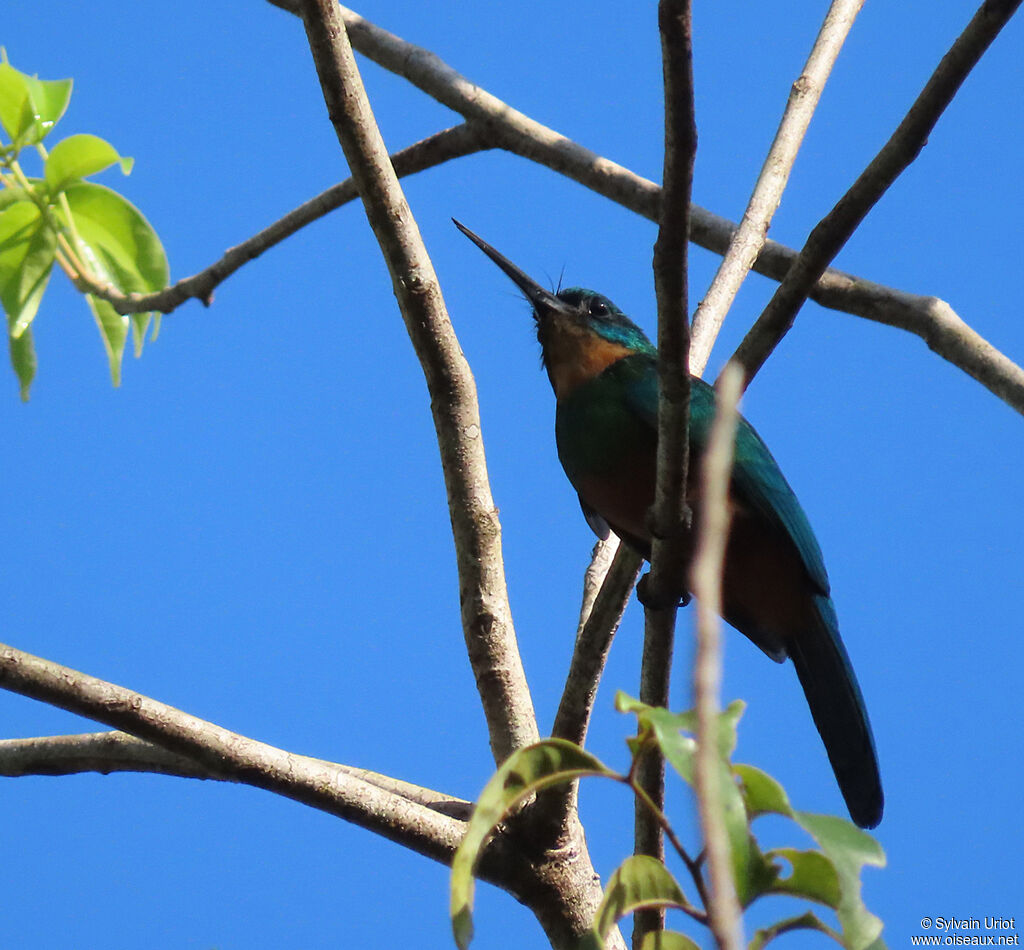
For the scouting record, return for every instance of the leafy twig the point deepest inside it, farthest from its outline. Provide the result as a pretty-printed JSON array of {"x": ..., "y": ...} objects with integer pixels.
[
  {"x": 436, "y": 149},
  {"x": 692, "y": 864}
]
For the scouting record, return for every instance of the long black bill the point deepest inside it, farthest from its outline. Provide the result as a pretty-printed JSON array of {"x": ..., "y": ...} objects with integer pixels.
[{"x": 543, "y": 300}]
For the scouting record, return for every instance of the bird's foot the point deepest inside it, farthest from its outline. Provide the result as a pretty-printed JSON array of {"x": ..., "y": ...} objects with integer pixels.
[{"x": 658, "y": 601}]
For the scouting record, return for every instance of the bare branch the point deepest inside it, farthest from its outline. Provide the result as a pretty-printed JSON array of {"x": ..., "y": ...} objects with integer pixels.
[
  {"x": 108, "y": 752},
  {"x": 103, "y": 752},
  {"x": 233, "y": 757},
  {"x": 946, "y": 334},
  {"x": 670, "y": 515},
  {"x": 833, "y": 231},
  {"x": 706, "y": 584},
  {"x": 593, "y": 577},
  {"x": 750, "y": 237},
  {"x": 599, "y": 620},
  {"x": 592, "y": 644},
  {"x": 486, "y": 617},
  {"x": 928, "y": 317},
  {"x": 434, "y": 150}
]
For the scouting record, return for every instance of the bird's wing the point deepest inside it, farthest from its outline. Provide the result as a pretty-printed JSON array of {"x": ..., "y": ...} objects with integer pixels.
[{"x": 757, "y": 480}]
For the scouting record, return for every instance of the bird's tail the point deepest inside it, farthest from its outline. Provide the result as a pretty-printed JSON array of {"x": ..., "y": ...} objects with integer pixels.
[{"x": 837, "y": 706}]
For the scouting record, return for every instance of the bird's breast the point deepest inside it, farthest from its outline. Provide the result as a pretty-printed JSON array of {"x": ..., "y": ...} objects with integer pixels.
[{"x": 608, "y": 453}]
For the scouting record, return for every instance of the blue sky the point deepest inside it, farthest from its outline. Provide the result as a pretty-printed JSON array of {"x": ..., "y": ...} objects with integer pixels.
[{"x": 253, "y": 527}]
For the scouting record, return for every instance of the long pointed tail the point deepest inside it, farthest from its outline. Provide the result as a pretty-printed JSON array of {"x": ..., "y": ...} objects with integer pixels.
[{"x": 837, "y": 706}]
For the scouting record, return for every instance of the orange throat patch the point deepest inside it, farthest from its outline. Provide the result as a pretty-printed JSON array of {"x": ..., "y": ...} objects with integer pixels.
[{"x": 575, "y": 355}]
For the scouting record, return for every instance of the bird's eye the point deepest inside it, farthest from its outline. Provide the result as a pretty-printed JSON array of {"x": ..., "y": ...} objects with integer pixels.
[{"x": 598, "y": 308}]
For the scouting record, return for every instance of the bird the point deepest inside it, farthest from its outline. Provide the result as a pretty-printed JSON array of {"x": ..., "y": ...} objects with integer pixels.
[{"x": 775, "y": 590}]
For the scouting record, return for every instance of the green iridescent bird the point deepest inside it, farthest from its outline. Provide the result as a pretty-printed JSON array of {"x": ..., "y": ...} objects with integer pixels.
[{"x": 775, "y": 590}]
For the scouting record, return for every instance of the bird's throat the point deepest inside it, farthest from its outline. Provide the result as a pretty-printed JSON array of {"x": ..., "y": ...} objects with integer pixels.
[{"x": 575, "y": 355}]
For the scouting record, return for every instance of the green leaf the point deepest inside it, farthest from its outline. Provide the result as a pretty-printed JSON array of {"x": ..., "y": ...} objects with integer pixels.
[
  {"x": 806, "y": 921},
  {"x": 23, "y": 359},
  {"x": 140, "y": 323},
  {"x": 118, "y": 240},
  {"x": 667, "y": 723},
  {"x": 667, "y": 940},
  {"x": 113, "y": 331},
  {"x": 813, "y": 876},
  {"x": 9, "y": 196},
  {"x": 762, "y": 874},
  {"x": 639, "y": 882},
  {"x": 849, "y": 849},
  {"x": 27, "y": 249},
  {"x": 49, "y": 99},
  {"x": 680, "y": 751},
  {"x": 761, "y": 793},
  {"x": 30, "y": 107},
  {"x": 79, "y": 156},
  {"x": 13, "y": 95},
  {"x": 119, "y": 246},
  {"x": 551, "y": 762}
]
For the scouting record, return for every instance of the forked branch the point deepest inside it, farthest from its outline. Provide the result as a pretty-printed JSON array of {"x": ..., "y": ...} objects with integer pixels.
[
  {"x": 835, "y": 229},
  {"x": 229, "y": 756},
  {"x": 750, "y": 236}
]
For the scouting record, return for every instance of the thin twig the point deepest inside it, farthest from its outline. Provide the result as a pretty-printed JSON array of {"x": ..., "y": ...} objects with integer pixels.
[
  {"x": 692, "y": 865},
  {"x": 486, "y": 616},
  {"x": 455, "y": 142},
  {"x": 750, "y": 237},
  {"x": 835, "y": 229},
  {"x": 234, "y": 757},
  {"x": 706, "y": 583},
  {"x": 669, "y": 516}
]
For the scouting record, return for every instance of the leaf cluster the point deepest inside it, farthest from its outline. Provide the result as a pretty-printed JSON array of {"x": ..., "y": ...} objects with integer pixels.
[
  {"x": 828, "y": 875},
  {"x": 96, "y": 236}
]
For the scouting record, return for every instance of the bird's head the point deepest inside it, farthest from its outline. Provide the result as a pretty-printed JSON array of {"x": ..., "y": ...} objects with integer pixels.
[{"x": 581, "y": 332}]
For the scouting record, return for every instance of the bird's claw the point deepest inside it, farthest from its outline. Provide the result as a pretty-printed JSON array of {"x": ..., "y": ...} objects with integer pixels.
[{"x": 654, "y": 601}]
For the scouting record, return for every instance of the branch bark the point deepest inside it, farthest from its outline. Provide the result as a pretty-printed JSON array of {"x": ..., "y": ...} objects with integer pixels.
[
  {"x": 670, "y": 515},
  {"x": 486, "y": 616},
  {"x": 557, "y": 880},
  {"x": 593, "y": 640},
  {"x": 108, "y": 752},
  {"x": 230, "y": 756}
]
